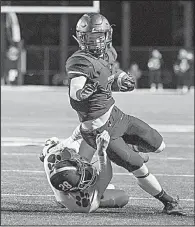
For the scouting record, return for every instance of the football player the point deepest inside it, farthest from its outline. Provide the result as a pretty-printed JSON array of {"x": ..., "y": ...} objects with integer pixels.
[
  {"x": 91, "y": 75},
  {"x": 77, "y": 185}
]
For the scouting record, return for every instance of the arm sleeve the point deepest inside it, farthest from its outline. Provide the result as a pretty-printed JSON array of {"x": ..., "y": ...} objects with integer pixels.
[
  {"x": 79, "y": 66},
  {"x": 76, "y": 135},
  {"x": 74, "y": 141},
  {"x": 105, "y": 173}
]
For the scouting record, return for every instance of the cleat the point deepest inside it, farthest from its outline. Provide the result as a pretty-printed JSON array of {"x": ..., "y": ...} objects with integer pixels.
[{"x": 173, "y": 208}]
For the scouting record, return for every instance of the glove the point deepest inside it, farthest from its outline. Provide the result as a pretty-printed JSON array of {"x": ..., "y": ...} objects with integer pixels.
[
  {"x": 49, "y": 143},
  {"x": 87, "y": 91},
  {"x": 126, "y": 82}
]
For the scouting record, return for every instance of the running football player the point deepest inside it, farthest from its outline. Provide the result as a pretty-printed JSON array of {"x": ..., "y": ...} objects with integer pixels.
[
  {"x": 91, "y": 74},
  {"x": 77, "y": 185}
]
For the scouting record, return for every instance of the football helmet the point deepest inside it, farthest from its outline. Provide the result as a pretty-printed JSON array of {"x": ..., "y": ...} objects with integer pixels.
[
  {"x": 94, "y": 33},
  {"x": 70, "y": 172}
]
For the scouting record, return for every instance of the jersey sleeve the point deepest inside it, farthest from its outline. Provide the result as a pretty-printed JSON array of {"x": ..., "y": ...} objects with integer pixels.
[
  {"x": 105, "y": 173},
  {"x": 78, "y": 66}
]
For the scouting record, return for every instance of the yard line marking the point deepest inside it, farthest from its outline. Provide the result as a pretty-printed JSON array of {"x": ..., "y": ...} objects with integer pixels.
[
  {"x": 132, "y": 198},
  {"x": 42, "y": 140},
  {"x": 36, "y": 143},
  {"x": 151, "y": 158},
  {"x": 19, "y": 154},
  {"x": 137, "y": 198},
  {"x": 180, "y": 145},
  {"x": 159, "y": 127},
  {"x": 159, "y": 174},
  {"x": 173, "y": 128},
  {"x": 117, "y": 174},
  {"x": 20, "y": 144}
]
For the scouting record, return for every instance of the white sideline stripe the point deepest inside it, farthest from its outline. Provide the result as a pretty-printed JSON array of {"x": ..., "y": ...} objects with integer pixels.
[
  {"x": 20, "y": 144},
  {"x": 131, "y": 198},
  {"x": 152, "y": 158},
  {"x": 25, "y": 141},
  {"x": 160, "y": 127},
  {"x": 30, "y": 143},
  {"x": 64, "y": 89},
  {"x": 173, "y": 128},
  {"x": 117, "y": 174}
]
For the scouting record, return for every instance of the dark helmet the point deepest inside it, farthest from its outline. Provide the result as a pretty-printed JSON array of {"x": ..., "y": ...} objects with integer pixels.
[
  {"x": 72, "y": 173},
  {"x": 94, "y": 33}
]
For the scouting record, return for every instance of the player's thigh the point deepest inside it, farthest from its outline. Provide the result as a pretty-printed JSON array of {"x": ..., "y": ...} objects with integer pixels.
[
  {"x": 121, "y": 154},
  {"x": 141, "y": 134},
  {"x": 86, "y": 151}
]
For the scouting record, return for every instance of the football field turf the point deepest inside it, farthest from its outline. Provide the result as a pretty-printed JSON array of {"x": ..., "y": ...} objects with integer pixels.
[{"x": 31, "y": 115}]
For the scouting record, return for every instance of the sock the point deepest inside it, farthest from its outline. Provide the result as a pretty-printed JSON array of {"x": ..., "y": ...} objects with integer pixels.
[
  {"x": 149, "y": 184},
  {"x": 163, "y": 197}
]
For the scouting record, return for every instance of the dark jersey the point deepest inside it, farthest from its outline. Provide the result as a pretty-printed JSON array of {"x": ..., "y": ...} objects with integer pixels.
[{"x": 94, "y": 69}]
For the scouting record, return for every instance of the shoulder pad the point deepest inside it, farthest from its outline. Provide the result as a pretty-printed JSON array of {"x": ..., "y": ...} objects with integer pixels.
[{"x": 78, "y": 65}]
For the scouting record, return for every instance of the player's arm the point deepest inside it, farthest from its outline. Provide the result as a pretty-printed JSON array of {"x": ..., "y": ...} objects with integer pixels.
[
  {"x": 80, "y": 90},
  {"x": 105, "y": 167},
  {"x": 125, "y": 81},
  {"x": 105, "y": 170},
  {"x": 80, "y": 71},
  {"x": 76, "y": 136}
]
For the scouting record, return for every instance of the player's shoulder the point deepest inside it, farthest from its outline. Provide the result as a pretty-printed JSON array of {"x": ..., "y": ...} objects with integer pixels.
[
  {"x": 79, "y": 62},
  {"x": 78, "y": 57}
]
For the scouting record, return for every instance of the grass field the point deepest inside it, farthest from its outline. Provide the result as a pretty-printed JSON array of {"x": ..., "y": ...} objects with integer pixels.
[{"x": 30, "y": 115}]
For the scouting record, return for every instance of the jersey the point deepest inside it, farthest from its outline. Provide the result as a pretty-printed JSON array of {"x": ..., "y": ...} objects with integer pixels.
[
  {"x": 94, "y": 69},
  {"x": 85, "y": 201}
]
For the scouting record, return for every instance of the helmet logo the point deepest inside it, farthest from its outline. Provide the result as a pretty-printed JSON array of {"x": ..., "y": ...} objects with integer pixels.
[{"x": 94, "y": 30}]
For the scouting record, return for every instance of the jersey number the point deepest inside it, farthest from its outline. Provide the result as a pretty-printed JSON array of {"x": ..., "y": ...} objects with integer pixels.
[{"x": 65, "y": 186}]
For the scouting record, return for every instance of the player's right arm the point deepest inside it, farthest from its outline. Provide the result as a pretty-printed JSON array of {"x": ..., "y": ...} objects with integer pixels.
[{"x": 79, "y": 72}]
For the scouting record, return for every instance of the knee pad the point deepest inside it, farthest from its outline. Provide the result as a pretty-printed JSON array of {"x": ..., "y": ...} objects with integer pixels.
[
  {"x": 161, "y": 148},
  {"x": 142, "y": 172}
]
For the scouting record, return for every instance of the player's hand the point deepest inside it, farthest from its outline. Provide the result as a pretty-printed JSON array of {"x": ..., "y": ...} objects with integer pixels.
[
  {"x": 87, "y": 90},
  {"x": 102, "y": 141},
  {"x": 49, "y": 144},
  {"x": 126, "y": 82}
]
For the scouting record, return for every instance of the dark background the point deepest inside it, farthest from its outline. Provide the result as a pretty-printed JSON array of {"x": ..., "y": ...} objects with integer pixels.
[{"x": 151, "y": 22}]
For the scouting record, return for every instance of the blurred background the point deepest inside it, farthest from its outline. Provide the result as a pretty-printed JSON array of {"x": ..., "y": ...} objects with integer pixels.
[{"x": 154, "y": 41}]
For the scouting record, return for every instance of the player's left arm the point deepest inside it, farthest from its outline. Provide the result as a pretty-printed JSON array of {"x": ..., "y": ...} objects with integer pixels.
[{"x": 125, "y": 81}]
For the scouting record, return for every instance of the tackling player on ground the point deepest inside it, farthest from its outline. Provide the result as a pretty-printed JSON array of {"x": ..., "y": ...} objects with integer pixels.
[
  {"x": 91, "y": 74},
  {"x": 77, "y": 185}
]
